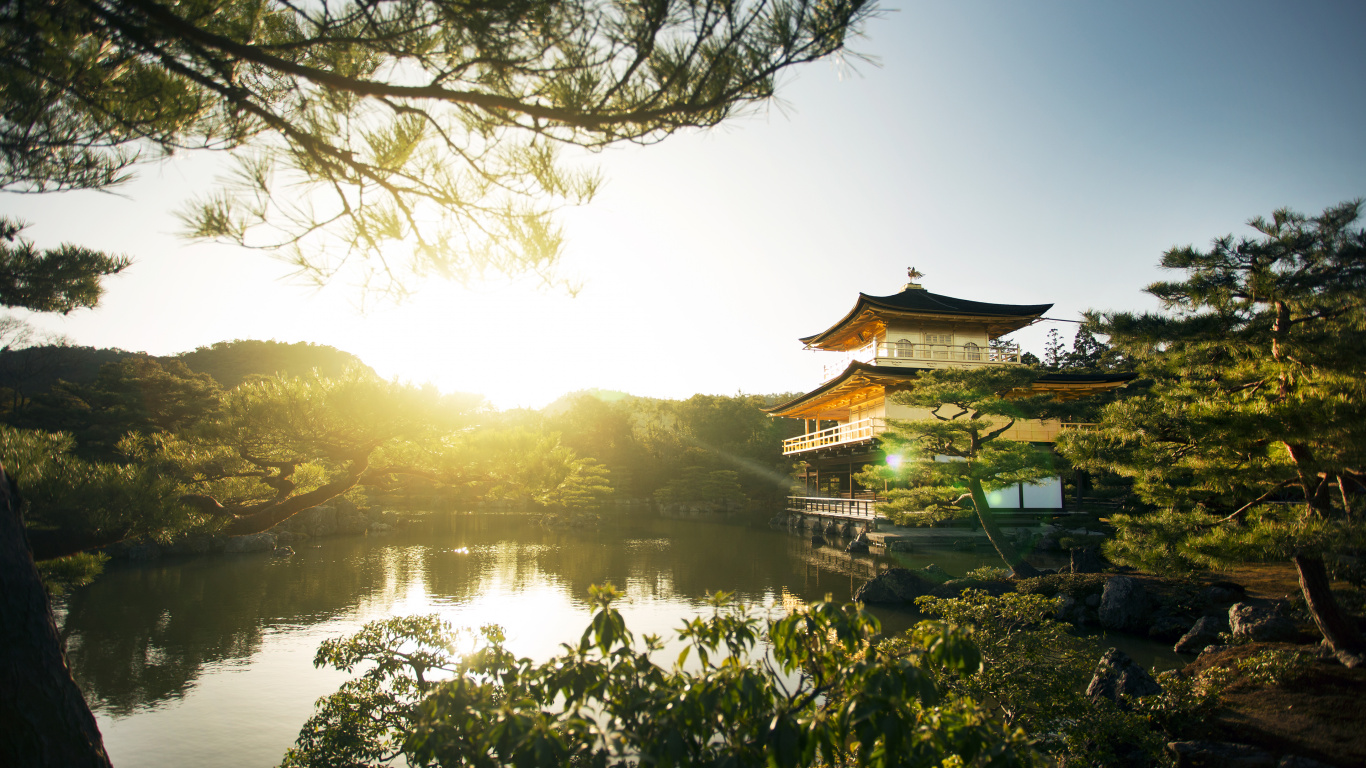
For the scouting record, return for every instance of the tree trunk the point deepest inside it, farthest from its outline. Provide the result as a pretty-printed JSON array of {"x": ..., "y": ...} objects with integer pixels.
[
  {"x": 998, "y": 539},
  {"x": 44, "y": 720},
  {"x": 1340, "y": 632}
]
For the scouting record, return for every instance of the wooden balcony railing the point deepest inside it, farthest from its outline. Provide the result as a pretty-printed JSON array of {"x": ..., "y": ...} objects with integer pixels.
[
  {"x": 912, "y": 354},
  {"x": 853, "y": 432},
  {"x": 856, "y": 509}
]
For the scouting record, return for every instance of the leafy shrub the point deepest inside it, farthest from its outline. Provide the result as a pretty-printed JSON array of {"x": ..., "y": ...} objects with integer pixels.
[
  {"x": 1078, "y": 586},
  {"x": 63, "y": 573},
  {"x": 826, "y": 696},
  {"x": 1185, "y": 701},
  {"x": 988, "y": 573},
  {"x": 1276, "y": 667},
  {"x": 1034, "y": 673}
]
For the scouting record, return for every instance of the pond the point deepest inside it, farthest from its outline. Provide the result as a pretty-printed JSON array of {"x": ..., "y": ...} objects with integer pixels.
[{"x": 208, "y": 661}]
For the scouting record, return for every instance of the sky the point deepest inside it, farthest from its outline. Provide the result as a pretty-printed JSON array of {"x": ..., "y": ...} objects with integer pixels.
[{"x": 1012, "y": 152}]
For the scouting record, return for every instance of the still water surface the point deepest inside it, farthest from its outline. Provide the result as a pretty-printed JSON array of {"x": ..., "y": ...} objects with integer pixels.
[{"x": 208, "y": 661}]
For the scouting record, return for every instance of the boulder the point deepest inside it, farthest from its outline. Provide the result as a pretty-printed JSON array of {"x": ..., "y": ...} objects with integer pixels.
[
  {"x": 1118, "y": 676},
  {"x": 858, "y": 545},
  {"x": 1168, "y": 629},
  {"x": 934, "y": 573},
  {"x": 289, "y": 538},
  {"x": 817, "y": 540},
  {"x": 1219, "y": 754},
  {"x": 1201, "y": 636},
  {"x": 893, "y": 586},
  {"x": 1255, "y": 623},
  {"x": 1223, "y": 592},
  {"x": 255, "y": 542},
  {"x": 1086, "y": 560},
  {"x": 1124, "y": 605}
]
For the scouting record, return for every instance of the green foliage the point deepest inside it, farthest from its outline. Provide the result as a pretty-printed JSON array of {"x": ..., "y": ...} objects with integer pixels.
[
  {"x": 987, "y": 573},
  {"x": 1255, "y": 396},
  {"x": 54, "y": 280},
  {"x": 1091, "y": 355},
  {"x": 423, "y": 135},
  {"x": 366, "y": 721},
  {"x": 1256, "y": 384},
  {"x": 967, "y": 411},
  {"x": 84, "y": 498},
  {"x": 696, "y": 485},
  {"x": 232, "y": 362},
  {"x": 1078, "y": 586},
  {"x": 63, "y": 573},
  {"x": 138, "y": 394},
  {"x": 1186, "y": 701},
  {"x": 649, "y": 444},
  {"x": 827, "y": 696},
  {"x": 1276, "y": 667},
  {"x": 1031, "y": 666},
  {"x": 1034, "y": 672},
  {"x": 939, "y": 464}
]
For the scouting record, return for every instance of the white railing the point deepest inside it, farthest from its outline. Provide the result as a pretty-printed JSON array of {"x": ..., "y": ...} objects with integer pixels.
[
  {"x": 917, "y": 354},
  {"x": 853, "y": 432}
]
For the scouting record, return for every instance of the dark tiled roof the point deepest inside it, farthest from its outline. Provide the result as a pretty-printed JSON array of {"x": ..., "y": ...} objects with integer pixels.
[
  {"x": 918, "y": 300},
  {"x": 924, "y": 302}
]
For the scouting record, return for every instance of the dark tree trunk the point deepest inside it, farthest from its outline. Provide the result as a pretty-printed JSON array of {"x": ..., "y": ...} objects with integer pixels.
[
  {"x": 997, "y": 538},
  {"x": 1340, "y": 632},
  {"x": 44, "y": 720}
]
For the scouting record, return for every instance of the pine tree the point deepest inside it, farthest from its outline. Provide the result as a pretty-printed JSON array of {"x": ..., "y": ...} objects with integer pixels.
[
  {"x": 1258, "y": 393},
  {"x": 966, "y": 414},
  {"x": 1053, "y": 354},
  {"x": 423, "y": 136}
]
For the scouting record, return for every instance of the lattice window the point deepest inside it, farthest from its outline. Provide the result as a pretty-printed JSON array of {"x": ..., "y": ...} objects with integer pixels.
[
  {"x": 903, "y": 348},
  {"x": 972, "y": 351}
]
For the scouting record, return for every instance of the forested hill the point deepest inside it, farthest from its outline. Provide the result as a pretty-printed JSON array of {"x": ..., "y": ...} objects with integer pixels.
[
  {"x": 33, "y": 371},
  {"x": 229, "y": 362}
]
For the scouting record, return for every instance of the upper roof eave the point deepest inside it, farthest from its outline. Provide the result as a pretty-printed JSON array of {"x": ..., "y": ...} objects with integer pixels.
[{"x": 920, "y": 301}]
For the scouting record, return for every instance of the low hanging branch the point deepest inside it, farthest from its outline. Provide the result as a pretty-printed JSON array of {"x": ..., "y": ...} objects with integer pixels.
[{"x": 1238, "y": 512}]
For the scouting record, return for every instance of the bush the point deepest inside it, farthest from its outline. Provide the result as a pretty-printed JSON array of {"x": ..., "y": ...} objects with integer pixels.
[
  {"x": 988, "y": 573},
  {"x": 827, "y": 695},
  {"x": 1034, "y": 673},
  {"x": 1278, "y": 668}
]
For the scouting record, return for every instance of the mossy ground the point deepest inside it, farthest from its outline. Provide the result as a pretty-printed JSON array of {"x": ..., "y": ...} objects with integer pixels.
[{"x": 1321, "y": 715}]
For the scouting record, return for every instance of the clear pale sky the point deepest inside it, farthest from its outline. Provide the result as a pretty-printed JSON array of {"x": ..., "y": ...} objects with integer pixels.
[{"x": 1020, "y": 152}]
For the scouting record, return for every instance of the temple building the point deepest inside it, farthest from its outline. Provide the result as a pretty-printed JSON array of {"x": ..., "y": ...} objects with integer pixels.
[{"x": 879, "y": 348}]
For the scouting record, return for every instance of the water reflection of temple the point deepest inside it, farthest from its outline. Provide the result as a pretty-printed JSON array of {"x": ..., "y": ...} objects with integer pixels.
[{"x": 879, "y": 348}]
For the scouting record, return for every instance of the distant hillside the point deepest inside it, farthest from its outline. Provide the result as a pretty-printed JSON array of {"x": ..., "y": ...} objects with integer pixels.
[
  {"x": 564, "y": 402},
  {"x": 230, "y": 362},
  {"x": 34, "y": 370}
]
